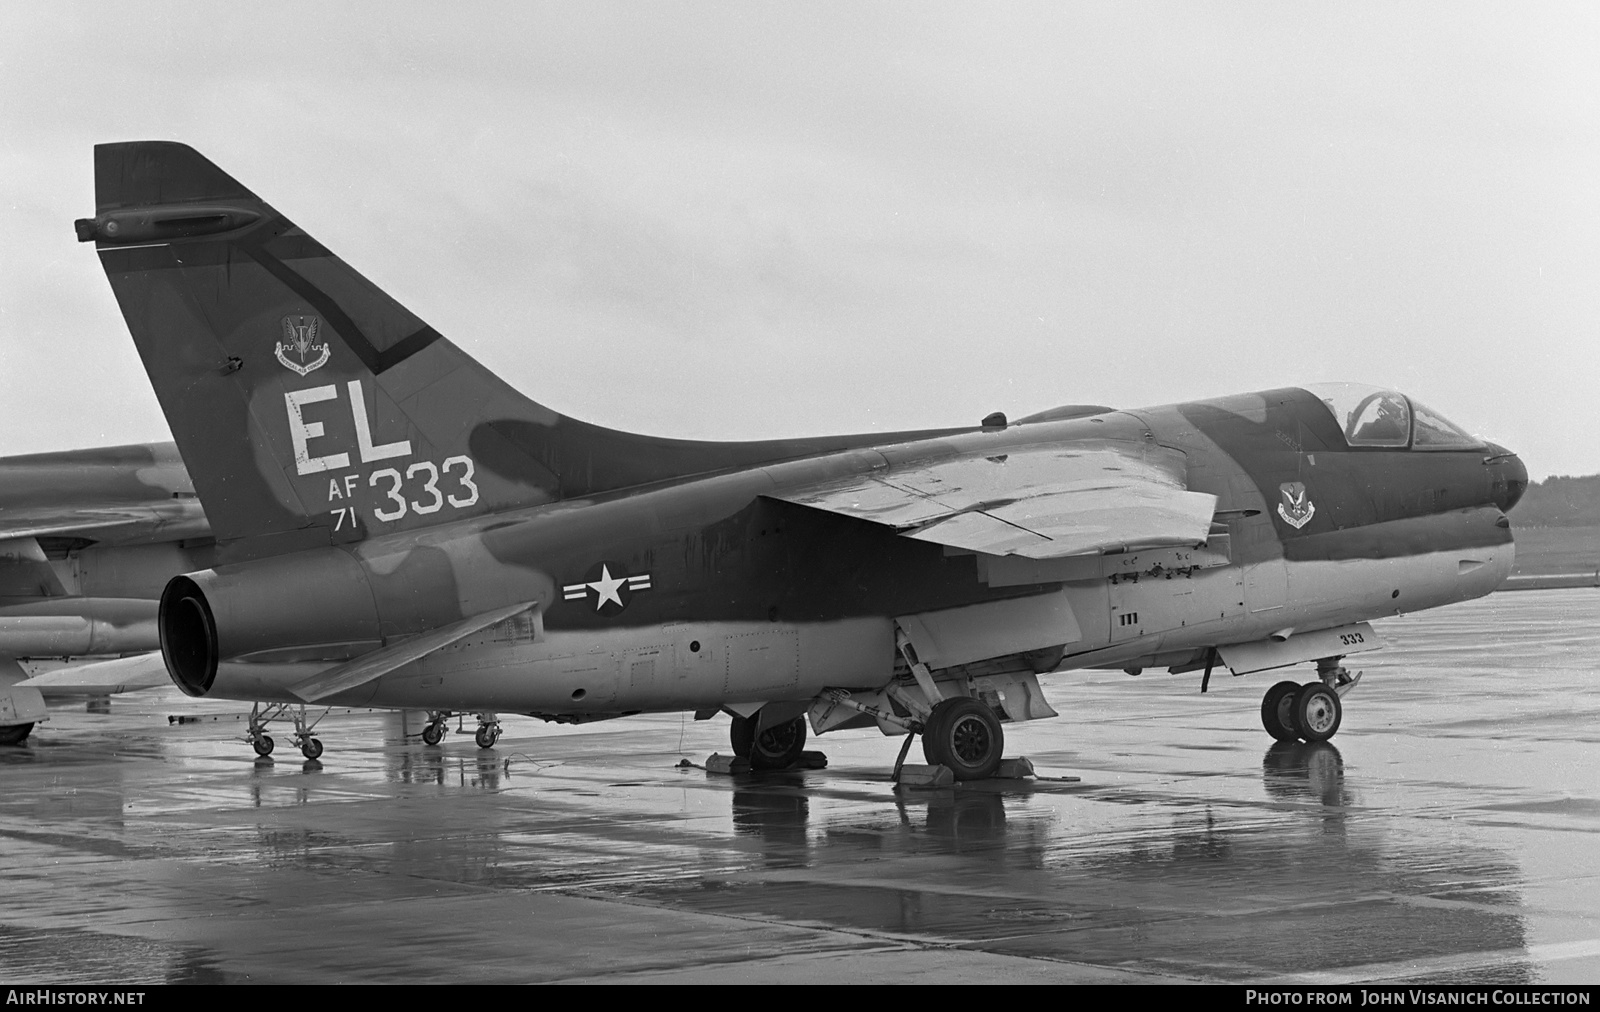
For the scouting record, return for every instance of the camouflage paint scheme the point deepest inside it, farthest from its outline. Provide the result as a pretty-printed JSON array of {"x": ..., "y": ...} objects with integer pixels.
[
  {"x": 377, "y": 497},
  {"x": 88, "y": 540}
]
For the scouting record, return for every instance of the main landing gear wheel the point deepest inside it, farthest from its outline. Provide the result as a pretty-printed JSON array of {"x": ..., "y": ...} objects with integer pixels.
[
  {"x": 262, "y": 743},
  {"x": 487, "y": 735},
  {"x": 433, "y": 733},
  {"x": 311, "y": 748},
  {"x": 14, "y": 734},
  {"x": 1317, "y": 711},
  {"x": 1277, "y": 711},
  {"x": 964, "y": 735},
  {"x": 776, "y": 748}
]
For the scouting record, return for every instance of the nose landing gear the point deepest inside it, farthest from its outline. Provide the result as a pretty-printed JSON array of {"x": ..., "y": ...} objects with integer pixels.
[{"x": 1313, "y": 711}]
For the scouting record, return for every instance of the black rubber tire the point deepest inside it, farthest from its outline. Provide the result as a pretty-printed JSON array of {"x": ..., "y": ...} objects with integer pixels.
[
  {"x": 1317, "y": 712},
  {"x": 1277, "y": 711},
  {"x": 964, "y": 735},
  {"x": 311, "y": 748},
  {"x": 776, "y": 748},
  {"x": 15, "y": 734},
  {"x": 486, "y": 737},
  {"x": 263, "y": 745},
  {"x": 432, "y": 734}
]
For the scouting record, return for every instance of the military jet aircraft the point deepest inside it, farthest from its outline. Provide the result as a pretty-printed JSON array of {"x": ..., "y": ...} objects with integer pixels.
[
  {"x": 88, "y": 540},
  {"x": 398, "y": 527}
]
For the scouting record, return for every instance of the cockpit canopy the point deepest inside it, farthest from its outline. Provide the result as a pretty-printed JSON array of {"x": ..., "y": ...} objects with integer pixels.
[{"x": 1370, "y": 416}]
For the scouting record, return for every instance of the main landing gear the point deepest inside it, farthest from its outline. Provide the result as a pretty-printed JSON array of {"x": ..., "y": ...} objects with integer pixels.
[
  {"x": 960, "y": 733},
  {"x": 963, "y": 734},
  {"x": 262, "y": 714},
  {"x": 434, "y": 731},
  {"x": 1310, "y": 712},
  {"x": 776, "y": 748}
]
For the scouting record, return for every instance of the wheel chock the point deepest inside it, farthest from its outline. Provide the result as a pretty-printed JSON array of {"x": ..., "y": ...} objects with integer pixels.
[
  {"x": 726, "y": 764},
  {"x": 926, "y": 776},
  {"x": 1019, "y": 768},
  {"x": 810, "y": 761}
]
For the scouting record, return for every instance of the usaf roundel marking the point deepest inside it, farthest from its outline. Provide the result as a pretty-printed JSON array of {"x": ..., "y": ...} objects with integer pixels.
[
  {"x": 1297, "y": 509},
  {"x": 609, "y": 586}
]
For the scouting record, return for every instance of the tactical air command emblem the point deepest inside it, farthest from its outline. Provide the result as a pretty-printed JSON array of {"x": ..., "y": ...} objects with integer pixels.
[
  {"x": 300, "y": 341},
  {"x": 611, "y": 593},
  {"x": 1297, "y": 509}
]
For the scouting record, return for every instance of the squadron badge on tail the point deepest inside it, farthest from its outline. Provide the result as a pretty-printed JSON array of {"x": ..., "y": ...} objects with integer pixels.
[{"x": 300, "y": 338}]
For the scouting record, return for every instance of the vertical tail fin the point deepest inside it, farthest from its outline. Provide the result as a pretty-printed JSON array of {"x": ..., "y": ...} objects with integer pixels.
[{"x": 308, "y": 405}]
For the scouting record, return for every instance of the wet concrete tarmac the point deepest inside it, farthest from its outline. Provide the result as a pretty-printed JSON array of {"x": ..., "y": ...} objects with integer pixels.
[{"x": 1450, "y": 833}]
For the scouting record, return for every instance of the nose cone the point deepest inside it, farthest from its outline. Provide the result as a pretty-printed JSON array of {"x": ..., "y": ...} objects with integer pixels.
[{"x": 1508, "y": 476}]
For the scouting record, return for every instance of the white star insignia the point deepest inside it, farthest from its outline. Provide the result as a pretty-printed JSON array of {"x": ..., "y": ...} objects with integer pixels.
[{"x": 606, "y": 588}]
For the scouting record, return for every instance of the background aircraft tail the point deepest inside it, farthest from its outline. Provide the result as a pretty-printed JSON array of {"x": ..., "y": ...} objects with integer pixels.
[{"x": 309, "y": 406}]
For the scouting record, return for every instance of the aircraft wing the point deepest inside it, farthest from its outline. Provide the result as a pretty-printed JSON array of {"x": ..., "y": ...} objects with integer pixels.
[
  {"x": 1040, "y": 503},
  {"x": 137, "y": 494},
  {"x": 385, "y": 659},
  {"x": 125, "y": 674},
  {"x": 166, "y": 520}
]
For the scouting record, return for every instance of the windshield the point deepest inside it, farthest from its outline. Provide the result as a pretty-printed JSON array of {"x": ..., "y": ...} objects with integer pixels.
[{"x": 1371, "y": 416}]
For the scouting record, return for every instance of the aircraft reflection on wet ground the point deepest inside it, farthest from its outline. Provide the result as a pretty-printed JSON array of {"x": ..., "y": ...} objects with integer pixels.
[{"x": 1450, "y": 837}]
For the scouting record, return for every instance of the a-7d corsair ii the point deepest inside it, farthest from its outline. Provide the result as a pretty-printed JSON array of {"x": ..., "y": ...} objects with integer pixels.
[{"x": 397, "y": 527}]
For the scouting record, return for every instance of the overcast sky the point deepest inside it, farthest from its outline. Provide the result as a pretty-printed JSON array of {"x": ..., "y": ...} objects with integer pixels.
[{"x": 751, "y": 220}]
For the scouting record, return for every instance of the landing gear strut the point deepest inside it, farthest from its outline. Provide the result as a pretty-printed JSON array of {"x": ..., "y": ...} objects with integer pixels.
[{"x": 262, "y": 714}]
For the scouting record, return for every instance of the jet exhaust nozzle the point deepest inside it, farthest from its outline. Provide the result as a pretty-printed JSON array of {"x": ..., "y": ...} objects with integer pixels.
[
  {"x": 188, "y": 636},
  {"x": 314, "y": 604}
]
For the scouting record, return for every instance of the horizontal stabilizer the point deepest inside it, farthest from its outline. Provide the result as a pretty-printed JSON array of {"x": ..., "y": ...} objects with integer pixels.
[
  {"x": 103, "y": 678},
  {"x": 386, "y": 659},
  {"x": 1042, "y": 503}
]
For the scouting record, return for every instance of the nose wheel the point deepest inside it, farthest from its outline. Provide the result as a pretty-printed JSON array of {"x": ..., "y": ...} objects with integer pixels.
[{"x": 1311, "y": 712}]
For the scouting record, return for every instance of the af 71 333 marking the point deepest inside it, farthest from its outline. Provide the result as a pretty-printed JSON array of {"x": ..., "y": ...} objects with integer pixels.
[{"x": 431, "y": 498}]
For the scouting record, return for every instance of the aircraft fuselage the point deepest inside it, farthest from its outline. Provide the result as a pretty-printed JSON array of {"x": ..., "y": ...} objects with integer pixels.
[{"x": 698, "y": 592}]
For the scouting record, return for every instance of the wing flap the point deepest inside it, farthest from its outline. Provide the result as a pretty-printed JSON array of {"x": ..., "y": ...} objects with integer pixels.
[
  {"x": 386, "y": 659},
  {"x": 1039, "y": 503}
]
